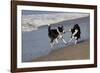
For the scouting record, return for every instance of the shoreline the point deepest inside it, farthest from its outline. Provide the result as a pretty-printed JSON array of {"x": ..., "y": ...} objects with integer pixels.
[{"x": 72, "y": 52}]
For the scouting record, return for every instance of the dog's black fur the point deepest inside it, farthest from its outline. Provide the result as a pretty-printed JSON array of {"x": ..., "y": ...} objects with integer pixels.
[
  {"x": 53, "y": 33},
  {"x": 77, "y": 35}
]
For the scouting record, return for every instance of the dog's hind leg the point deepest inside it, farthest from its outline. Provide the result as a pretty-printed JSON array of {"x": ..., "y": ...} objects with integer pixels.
[
  {"x": 76, "y": 40},
  {"x": 52, "y": 43},
  {"x": 56, "y": 40}
]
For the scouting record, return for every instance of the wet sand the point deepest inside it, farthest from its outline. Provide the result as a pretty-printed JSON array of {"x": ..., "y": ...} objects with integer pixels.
[{"x": 72, "y": 52}]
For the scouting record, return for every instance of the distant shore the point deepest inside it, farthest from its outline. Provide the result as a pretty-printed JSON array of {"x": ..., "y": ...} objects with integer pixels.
[{"x": 72, "y": 52}]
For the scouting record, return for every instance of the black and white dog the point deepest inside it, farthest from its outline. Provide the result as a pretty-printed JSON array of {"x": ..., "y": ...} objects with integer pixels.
[
  {"x": 76, "y": 32},
  {"x": 55, "y": 34}
]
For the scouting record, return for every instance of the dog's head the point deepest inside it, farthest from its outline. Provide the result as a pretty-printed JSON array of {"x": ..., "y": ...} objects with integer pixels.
[
  {"x": 61, "y": 29},
  {"x": 76, "y": 26}
]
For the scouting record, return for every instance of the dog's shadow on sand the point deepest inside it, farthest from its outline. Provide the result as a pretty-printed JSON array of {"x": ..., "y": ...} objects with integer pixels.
[
  {"x": 81, "y": 41},
  {"x": 70, "y": 44}
]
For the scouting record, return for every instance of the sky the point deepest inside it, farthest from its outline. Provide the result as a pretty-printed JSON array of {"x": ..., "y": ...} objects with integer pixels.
[{"x": 29, "y": 12}]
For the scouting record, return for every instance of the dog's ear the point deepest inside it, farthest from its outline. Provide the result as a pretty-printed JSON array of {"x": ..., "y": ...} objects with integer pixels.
[
  {"x": 61, "y": 26},
  {"x": 76, "y": 24}
]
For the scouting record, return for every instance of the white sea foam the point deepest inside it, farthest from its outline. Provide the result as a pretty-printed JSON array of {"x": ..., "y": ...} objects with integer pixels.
[{"x": 33, "y": 21}]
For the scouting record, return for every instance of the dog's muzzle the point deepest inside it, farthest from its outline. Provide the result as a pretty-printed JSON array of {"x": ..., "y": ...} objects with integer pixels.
[{"x": 63, "y": 31}]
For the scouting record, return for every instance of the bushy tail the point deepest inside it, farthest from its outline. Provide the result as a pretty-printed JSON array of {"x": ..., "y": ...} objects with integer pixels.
[{"x": 49, "y": 28}]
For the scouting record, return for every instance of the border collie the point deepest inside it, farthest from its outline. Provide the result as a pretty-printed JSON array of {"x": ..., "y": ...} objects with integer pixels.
[
  {"x": 55, "y": 34},
  {"x": 76, "y": 32}
]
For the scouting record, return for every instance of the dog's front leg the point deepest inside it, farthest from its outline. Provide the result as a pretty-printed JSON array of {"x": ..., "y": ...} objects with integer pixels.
[
  {"x": 71, "y": 39},
  {"x": 64, "y": 40}
]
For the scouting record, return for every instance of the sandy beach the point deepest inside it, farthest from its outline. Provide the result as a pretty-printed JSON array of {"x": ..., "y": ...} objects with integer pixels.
[{"x": 71, "y": 52}]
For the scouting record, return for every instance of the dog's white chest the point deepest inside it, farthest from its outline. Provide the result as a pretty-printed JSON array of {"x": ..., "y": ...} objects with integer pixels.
[{"x": 60, "y": 36}]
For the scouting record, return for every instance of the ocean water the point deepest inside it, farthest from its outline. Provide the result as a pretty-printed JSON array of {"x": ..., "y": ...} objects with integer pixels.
[{"x": 37, "y": 43}]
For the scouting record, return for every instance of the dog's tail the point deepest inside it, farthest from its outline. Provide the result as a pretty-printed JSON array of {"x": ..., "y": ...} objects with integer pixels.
[{"x": 49, "y": 27}]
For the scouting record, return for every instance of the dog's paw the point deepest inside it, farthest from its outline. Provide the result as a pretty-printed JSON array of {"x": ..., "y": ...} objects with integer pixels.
[{"x": 66, "y": 43}]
